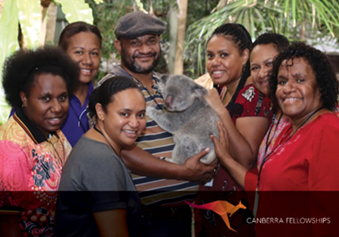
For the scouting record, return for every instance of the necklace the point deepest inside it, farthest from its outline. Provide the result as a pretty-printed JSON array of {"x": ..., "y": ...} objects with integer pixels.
[
  {"x": 96, "y": 129},
  {"x": 256, "y": 201}
]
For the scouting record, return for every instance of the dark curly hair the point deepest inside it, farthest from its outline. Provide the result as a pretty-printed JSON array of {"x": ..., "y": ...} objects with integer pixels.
[
  {"x": 21, "y": 69},
  {"x": 75, "y": 28},
  {"x": 104, "y": 94},
  {"x": 322, "y": 68},
  {"x": 279, "y": 41}
]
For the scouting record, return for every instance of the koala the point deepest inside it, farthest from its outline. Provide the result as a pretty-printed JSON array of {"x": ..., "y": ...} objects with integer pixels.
[{"x": 187, "y": 116}]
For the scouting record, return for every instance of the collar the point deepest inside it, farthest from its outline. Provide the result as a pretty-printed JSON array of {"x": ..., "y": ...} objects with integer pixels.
[
  {"x": 30, "y": 128},
  {"x": 90, "y": 88}
]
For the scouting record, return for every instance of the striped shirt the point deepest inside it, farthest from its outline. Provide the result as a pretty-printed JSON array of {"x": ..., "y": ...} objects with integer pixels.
[{"x": 157, "y": 142}]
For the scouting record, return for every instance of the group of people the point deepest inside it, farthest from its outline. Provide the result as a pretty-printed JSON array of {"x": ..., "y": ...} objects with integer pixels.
[{"x": 278, "y": 131}]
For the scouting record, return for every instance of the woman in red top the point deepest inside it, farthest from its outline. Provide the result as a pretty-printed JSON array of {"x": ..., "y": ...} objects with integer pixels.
[
  {"x": 246, "y": 118},
  {"x": 305, "y": 155},
  {"x": 264, "y": 50}
]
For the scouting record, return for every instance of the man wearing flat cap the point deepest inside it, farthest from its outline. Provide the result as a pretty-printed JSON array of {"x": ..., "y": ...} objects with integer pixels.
[
  {"x": 138, "y": 42},
  {"x": 138, "y": 38}
]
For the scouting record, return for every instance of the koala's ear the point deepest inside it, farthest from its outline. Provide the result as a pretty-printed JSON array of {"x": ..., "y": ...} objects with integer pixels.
[
  {"x": 164, "y": 78},
  {"x": 200, "y": 90},
  {"x": 162, "y": 83}
]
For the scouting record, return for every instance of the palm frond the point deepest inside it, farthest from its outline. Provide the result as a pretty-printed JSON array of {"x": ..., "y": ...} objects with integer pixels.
[{"x": 292, "y": 18}]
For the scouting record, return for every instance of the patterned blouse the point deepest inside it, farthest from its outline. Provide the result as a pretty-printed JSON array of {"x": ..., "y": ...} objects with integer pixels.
[{"x": 30, "y": 170}]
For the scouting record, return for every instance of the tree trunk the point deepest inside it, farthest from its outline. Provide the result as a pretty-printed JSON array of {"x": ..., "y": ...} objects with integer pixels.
[
  {"x": 44, "y": 20},
  {"x": 43, "y": 25},
  {"x": 173, "y": 23},
  {"x": 179, "y": 52},
  {"x": 51, "y": 22}
]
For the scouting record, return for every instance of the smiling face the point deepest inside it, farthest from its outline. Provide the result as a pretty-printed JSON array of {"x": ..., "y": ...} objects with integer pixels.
[
  {"x": 84, "y": 48},
  {"x": 224, "y": 61},
  {"x": 297, "y": 91},
  {"x": 47, "y": 103},
  {"x": 124, "y": 118},
  {"x": 141, "y": 54},
  {"x": 261, "y": 59}
]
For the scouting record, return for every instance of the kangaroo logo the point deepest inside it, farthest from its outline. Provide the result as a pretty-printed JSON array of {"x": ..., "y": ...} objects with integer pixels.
[{"x": 222, "y": 208}]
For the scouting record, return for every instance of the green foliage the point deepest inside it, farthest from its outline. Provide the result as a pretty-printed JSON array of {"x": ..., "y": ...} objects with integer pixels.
[
  {"x": 8, "y": 44},
  {"x": 107, "y": 14},
  {"x": 9, "y": 41},
  {"x": 105, "y": 17},
  {"x": 296, "y": 19},
  {"x": 4, "y": 108},
  {"x": 76, "y": 10},
  {"x": 27, "y": 13}
]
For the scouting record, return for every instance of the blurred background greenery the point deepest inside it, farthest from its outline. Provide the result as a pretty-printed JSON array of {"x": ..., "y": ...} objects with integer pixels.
[{"x": 313, "y": 21}]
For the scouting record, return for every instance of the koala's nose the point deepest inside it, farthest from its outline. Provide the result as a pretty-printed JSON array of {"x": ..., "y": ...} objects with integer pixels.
[{"x": 169, "y": 101}]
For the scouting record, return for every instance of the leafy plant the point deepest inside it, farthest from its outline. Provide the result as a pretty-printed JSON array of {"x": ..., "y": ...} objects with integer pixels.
[
  {"x": 296, "y": 19},
  {"x": 27, "y": 13}
]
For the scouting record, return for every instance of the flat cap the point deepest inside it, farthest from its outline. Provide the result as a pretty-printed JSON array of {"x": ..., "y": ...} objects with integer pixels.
[{"x": 136, "y": 24}]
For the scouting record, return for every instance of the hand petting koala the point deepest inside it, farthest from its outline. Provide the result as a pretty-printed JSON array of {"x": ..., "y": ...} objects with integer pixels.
[{"x": 187, "y": 116}]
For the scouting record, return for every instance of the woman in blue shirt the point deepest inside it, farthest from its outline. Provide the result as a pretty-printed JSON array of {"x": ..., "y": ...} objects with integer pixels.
[{"x": 82, "y": 42}]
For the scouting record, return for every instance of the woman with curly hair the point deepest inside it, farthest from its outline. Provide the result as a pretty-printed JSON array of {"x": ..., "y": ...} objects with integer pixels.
[
  {"x": 82, "y": 42},
  {"x": 305, "y": 154},
  {"x": 33, "y": 150}
]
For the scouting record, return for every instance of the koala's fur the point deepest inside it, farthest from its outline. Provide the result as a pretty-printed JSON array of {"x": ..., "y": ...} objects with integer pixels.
[{"x": 187, "y": 116}]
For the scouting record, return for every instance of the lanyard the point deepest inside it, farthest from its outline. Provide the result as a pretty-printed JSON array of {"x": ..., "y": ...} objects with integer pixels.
[
  {"x": 79, "y": 118},
  {"x": 256, "y": 201}
]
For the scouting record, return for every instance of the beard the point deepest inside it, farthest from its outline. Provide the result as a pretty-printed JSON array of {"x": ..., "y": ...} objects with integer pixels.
[{"x": 130, "y": 63}]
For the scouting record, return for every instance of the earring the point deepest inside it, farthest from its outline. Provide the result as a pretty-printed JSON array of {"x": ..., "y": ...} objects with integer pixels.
[{"x": 243, "y": 67}]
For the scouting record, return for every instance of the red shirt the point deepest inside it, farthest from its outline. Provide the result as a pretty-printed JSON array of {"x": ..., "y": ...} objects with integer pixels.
[
  {"x": 250, "y": 102},
  {"x": 308, "y": 161}
]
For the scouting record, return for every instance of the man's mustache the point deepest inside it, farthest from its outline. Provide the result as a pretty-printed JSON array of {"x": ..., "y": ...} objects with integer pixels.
[{"x": 140, "y": 55}]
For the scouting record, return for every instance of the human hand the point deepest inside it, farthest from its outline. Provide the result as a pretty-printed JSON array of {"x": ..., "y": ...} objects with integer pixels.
[
  {"x": 221, "y": 146},
  {"x": 197, "y": 171},
  {"x": 213, "y": 99}
]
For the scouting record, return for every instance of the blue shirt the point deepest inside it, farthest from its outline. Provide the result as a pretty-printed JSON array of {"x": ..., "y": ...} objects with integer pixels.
[{"x": 76, "y": 122}]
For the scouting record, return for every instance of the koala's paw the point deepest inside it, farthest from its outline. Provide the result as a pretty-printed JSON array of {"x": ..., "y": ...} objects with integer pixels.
[
  {"x": 209, "y": 158},
  {"x": 151, "y": 111}
]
